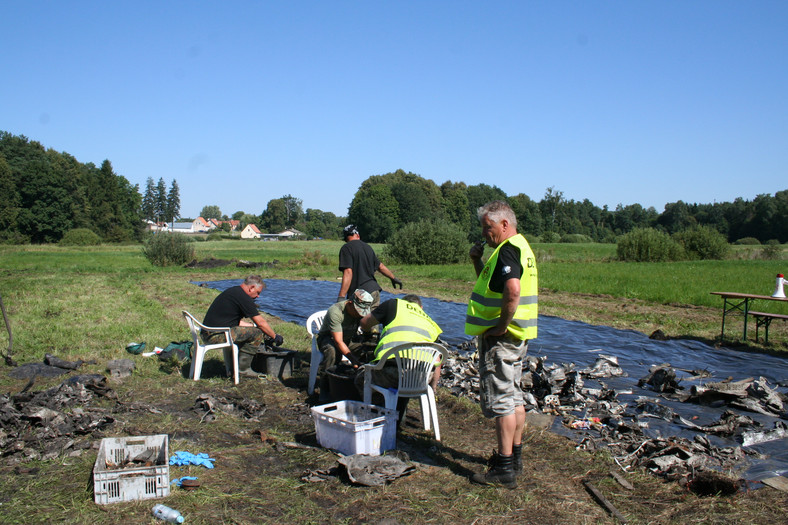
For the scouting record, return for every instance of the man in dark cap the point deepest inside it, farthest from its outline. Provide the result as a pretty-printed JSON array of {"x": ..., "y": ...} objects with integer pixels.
[
  {"x": 335, "y": 337},
  {"x": 358, "y": 264}
]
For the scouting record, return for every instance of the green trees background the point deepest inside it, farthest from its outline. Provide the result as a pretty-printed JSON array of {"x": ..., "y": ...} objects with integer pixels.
[{"x": 47, "y": 193}]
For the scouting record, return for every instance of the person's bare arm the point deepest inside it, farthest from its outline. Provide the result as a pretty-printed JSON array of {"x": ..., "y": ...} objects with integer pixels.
[
  {"x": 476, "y": 252},
  {"x": 344, "y": 350},
  {"x": 260, "y": 322},
  {"x": 347, "y": 276},
  {"x": 368, "y": 322}
]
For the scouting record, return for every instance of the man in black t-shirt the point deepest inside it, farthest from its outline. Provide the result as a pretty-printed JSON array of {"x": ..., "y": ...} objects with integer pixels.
[
  {"x": 358, "y": 264},
  {"x": 230, "y": 308}
]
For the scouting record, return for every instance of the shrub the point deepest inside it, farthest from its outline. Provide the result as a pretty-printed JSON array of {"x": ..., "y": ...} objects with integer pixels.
[
  {"x": 771, "y": 250},
  {"x": 575, "y": 238},
  {"x": 750, "y": 241},
  {"x": 80, "y": 237},
  {"x": 428, "y": 242},
  {"x": 703, "y": 242},
  {"x": 648, "y": 245},
  {"x": 214, "y": 236},
  {"x": 551, "y": 237},
  {"x": 167, "y": 249}
]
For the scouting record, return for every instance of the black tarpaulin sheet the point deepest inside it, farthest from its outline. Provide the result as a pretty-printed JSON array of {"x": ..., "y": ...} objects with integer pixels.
[{"x": 562, "y": 342}]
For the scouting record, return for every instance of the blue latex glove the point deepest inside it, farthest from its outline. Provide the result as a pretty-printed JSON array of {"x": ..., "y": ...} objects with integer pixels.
[
  {"x": 179, "y": 481},
  {"x": 187, "y": 458}
]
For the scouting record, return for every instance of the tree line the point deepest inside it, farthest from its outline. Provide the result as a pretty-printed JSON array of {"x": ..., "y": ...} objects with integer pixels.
[
  {"x": 385, "y": 203},
  {"x": 47, "y": 193}
]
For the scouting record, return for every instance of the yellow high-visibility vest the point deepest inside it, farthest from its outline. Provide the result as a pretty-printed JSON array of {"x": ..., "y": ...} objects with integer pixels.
[
  {"x": 410, "y": 325},
  {"x": 484, "y": 306}
]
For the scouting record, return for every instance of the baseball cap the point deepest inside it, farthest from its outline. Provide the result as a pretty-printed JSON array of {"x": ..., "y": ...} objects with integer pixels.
[
  {"x": 349, "y": 230},
  {"x": 362, "y": 301}
]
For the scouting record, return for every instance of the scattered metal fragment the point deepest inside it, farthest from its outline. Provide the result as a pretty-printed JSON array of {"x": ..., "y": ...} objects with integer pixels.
[
  {"x": 602, "y": 500},
  {"x": 234, "y": 406},
  {"x": 120, "y": 368},
  {"x": 374, "y": 471},
  {"x": 750, "y": 438}
]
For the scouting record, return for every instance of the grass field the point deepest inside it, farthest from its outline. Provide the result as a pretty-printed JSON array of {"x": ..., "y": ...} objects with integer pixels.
[{"x": 88, "y": 303}]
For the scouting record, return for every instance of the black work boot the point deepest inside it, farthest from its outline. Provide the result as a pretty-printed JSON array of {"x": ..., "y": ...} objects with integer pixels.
[
  {"x": 517, "y": 462},
  {"x": 500, "y": 472}
]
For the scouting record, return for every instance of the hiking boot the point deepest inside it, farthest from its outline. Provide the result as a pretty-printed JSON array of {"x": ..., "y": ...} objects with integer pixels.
[
  {"x": 500, "y": 472},
  {"x": 517, "y": 459}
]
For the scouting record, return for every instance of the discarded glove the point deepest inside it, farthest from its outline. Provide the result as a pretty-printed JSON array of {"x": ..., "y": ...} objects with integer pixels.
[
  {"x": 179, "y": 481},
  {"x": 187, "y": 458},
  {"x": 396, "y": 282}
]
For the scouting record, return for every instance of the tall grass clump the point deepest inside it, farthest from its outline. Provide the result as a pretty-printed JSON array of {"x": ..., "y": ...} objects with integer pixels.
[
  {"x": 647, "y": 245},
  {"x": 80, "y": 237},
  {"x": 168, "y": 249},
  {"x": 428, "y": 242},
  {"x": 703, "y": 242}
]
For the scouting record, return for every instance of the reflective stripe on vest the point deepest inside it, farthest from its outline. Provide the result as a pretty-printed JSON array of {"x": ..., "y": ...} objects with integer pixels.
[
  {"x": 484, "y": 306},
  {"x": 410, "y": 324}
]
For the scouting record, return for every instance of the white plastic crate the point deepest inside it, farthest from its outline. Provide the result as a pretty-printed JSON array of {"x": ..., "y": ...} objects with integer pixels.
[
  {"x": 353, "y": 427},
  {"x": 113, "y": 484}
]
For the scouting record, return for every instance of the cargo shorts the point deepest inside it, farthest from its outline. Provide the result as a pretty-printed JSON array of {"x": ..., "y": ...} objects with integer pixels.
[{"x": 500, "y": 372}]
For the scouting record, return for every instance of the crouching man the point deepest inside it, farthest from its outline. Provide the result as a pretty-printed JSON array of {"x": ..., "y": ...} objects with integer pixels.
[
  {"x": 403, "y": 321},
  {"x": 231, "y": 308}
]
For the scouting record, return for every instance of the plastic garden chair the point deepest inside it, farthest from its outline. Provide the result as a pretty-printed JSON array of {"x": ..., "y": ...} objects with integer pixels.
[
  {"x": 200, "y": 348},
  {"x": 415, "y": 364},
  {"x": 313, "y": 325}
]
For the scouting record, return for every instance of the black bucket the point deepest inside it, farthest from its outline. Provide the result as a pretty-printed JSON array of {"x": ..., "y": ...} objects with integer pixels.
[
  {"x": 276, "y": 363},
  {"x": 341, "y": 383}
]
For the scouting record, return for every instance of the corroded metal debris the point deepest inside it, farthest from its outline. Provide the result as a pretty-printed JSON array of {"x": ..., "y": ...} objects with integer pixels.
[
  {"x": 40, "y": 425},
  {"x": 236, "y": 406},
  {"x": 600, "y": 420}
]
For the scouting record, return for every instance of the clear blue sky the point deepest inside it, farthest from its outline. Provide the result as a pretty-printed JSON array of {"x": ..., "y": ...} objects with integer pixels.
[{"x": 242, "y": 102}]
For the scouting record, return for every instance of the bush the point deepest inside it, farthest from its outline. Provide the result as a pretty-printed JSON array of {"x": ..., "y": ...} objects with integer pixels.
[
  {"x": 551, "y": 237},
  {"x": 703, "y": 242},
  {"x": 428, "y": 242},
  {"x": 214, "y": 236},
  {"x": 771, "y": 250},
  {"x": 167, "y": 249},
  {"x": 648, "y": 245},
  {"x": 748, "y": 241},
  {"x": 80, "y": 237},
  {"x": 575, "y": 238}
]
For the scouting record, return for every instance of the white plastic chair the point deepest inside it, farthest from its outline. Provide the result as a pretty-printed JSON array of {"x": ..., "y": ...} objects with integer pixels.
[
  {"x": 198, "y": 352},
  {"x": 415, "y": 363},
  {"x": 313, "y": 325}
]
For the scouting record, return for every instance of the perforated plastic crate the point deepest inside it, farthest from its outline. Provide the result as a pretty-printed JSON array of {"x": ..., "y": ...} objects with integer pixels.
[
  {"x": 116, "y": 478},
  {"x": 353, "y": 427}
]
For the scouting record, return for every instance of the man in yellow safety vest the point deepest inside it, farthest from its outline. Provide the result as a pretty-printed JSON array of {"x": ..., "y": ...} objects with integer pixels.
[{"x": 502, "y": 313}]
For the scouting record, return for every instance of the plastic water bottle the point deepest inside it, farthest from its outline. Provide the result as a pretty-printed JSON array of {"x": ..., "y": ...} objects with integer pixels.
[{"x": 163, "y": 512}]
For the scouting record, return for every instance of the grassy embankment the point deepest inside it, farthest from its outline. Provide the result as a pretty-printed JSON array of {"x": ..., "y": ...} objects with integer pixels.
[{"x": 88, "y": 303}]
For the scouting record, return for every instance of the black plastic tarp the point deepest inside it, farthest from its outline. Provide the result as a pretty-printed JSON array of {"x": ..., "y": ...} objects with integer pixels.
[{"x": 562, "y": 342}]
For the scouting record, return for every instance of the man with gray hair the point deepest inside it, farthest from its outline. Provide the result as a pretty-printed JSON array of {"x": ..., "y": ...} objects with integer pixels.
[
  {"x": 231, "y": 308},
  {"x": 502, "y": 314}
]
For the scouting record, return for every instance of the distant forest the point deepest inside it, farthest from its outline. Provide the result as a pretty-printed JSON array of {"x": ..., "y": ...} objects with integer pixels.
[{"x": 47, "y": 193}]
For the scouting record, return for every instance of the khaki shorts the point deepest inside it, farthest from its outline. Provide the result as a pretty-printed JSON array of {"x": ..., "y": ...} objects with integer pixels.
[{"x": 500, "y": 372}]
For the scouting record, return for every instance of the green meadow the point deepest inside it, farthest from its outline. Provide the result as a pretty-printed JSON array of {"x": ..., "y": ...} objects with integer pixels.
[{"x": 89, "y": 303}]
